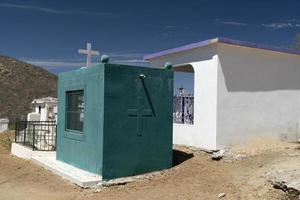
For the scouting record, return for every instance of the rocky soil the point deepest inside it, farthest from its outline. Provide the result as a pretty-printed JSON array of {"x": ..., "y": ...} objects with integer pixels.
[{"x": 194, "y": 176}]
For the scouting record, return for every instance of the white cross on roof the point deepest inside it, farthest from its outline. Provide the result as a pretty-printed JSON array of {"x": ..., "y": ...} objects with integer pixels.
[{"x": 89, "y": 53}]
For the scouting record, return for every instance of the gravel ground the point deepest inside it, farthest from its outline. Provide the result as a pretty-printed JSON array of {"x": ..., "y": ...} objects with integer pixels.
[{"x": 194, "y": 176}]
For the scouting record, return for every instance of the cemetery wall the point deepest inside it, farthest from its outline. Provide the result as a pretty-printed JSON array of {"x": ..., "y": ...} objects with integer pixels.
[
  {"x": 204, "y": 62},
  {"x": 258, "y": 94}
]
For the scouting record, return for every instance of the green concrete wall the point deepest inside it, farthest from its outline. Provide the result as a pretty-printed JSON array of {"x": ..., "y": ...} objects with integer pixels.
[
  {"x": 83, "y": 150},
  {"x": 118, "y": 138},
  {"x": 128, "y": 151}
]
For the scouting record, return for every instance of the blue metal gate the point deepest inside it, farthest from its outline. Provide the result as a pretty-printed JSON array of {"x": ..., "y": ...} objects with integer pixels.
[{"x": 183, "y": 109}]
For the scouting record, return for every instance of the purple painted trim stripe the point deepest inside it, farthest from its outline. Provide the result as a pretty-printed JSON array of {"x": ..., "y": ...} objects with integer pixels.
[
  {"x": 178, "y": 49},
  {"x": 220, "y": 40},
  {"x": 258, "y": 46}
]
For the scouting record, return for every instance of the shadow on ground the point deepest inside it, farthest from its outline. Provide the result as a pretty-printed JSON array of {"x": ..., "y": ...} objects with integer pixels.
[{"x": 180, "y": 156}]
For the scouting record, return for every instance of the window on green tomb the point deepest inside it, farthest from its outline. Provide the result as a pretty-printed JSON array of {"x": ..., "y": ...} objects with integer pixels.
[{"x": 75, "y": 110}]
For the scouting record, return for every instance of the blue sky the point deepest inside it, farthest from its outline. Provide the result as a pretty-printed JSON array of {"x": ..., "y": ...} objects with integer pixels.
[{"x": 49, "y": 33}]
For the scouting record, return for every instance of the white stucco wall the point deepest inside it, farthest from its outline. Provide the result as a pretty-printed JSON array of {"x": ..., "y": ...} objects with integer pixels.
[
  {"x": 240, "y": 93},
  {"x": 203, "y": 133},
  {"x": 258, "y": 94}
]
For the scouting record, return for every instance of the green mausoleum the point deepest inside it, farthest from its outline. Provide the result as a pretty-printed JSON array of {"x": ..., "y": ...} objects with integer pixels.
[{"x": 115, "y": 120}]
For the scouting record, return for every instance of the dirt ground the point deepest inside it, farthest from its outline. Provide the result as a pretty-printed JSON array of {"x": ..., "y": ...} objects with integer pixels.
[{"x": 195, "y": 176}]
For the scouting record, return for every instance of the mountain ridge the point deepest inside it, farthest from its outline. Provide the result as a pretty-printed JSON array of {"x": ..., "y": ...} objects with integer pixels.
[{"x": 20, "y": 83}]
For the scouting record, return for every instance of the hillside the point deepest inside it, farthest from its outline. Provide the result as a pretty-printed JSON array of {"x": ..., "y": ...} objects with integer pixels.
[{"x": 20, "y": 83}]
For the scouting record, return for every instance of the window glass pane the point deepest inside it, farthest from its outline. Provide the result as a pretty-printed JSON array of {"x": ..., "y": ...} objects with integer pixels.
[
  {"x": 75, "y": 110},
  {"x": 73, "y": 122}
]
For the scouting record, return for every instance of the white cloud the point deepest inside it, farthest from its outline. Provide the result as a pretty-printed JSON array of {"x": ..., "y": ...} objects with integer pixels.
[
  {"x": 292, "y": 23},
  {"x": 118, "y": 58},
  {"x": 231, "y": 23},
  {"x": 170, "y": 27},
  {"x": 293, "y": 20},
  {"x": 52, "y": 64},
  {"x": 49, "y": 10},
  {"x": 124, "y": 55},
  {"x": 48, "y": 64},
  {"x": 130, "y": 61}
]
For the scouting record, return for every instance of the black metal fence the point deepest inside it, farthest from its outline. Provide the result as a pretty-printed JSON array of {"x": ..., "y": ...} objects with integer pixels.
[
  {"x": 37, "y": 135},
  {"x": 183, "y": 109}
]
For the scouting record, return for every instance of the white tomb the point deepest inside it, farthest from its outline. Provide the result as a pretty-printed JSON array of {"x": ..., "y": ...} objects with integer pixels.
[
  {"x": 241, "y": 91},
  {"x": 44, "y": 109},
  {"x": 4, "y": 124},
  {"x": 33, "y": 116},
  {"x": 44, "y": 112}
]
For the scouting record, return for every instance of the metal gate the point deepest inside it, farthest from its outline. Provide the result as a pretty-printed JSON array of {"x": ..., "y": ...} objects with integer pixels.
[
  {"x": 183, "y": 109},
  {"x": 37, "y": 135}
]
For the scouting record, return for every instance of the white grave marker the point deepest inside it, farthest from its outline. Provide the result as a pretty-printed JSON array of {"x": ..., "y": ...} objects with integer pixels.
[
  {"x": 89, "y": 52},
  {"x": 4, "y": 124}
]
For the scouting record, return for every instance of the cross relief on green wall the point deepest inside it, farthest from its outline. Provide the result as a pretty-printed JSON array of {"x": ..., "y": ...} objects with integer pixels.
[{"x": 139, "y": 112}]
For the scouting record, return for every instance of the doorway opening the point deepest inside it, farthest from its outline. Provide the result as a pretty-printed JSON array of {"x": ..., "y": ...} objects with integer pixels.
[{"x": 183, "y": 100}]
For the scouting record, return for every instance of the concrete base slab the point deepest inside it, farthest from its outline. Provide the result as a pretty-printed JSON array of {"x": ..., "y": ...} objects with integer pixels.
[
  {"x": 27, "y": 153},
  {"x": 73, "y": 174}
]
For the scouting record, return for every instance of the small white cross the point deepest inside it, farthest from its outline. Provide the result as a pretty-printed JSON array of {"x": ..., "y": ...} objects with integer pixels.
[{"x": 89, "y": 53}]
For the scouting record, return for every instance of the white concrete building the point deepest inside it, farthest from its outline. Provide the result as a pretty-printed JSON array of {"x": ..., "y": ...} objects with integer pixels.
[
  {"x": 45, "y": 107},
  {"x": 4, "y": 124},
  {"x": 242, "y": 90}
]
